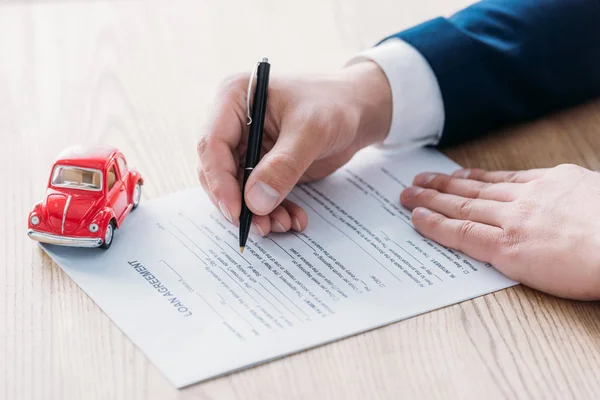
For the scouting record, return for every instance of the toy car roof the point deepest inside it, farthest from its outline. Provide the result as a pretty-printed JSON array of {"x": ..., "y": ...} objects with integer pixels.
[{"x": 87, "y": 157}]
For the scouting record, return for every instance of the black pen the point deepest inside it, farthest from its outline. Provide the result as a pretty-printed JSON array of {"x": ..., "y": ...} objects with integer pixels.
[{"x": 255, "y": 134}]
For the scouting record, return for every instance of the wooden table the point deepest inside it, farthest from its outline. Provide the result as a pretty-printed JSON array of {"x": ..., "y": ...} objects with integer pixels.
[{"x": 141, "y": 75}]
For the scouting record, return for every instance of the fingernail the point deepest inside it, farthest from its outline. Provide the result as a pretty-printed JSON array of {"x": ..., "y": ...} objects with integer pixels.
[
  {"x": 296, "y": 224},
  {"x": 277, "y": 227},
  {"x": 254, "y": 228},
  {"x": 262, "y": 197},
  {"x": 225, "y": 211},
  {"x": 413, "y": 191},
  {"x": 424, "y": 179},
  {"x": 462, "y": 173},
  {"x": 421, "y": 212}
]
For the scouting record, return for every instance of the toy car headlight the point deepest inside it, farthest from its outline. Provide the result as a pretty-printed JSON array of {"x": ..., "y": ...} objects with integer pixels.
[
  {"x": 34, "y": 219},
  {"x": 93, "y": 228}
]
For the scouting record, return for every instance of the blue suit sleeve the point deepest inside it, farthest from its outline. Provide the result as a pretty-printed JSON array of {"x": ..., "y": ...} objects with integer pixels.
[{"x": 500, "y": 62}]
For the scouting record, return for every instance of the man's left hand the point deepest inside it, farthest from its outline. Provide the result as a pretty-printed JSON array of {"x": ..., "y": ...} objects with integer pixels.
[{"x": 540, "y": 227}]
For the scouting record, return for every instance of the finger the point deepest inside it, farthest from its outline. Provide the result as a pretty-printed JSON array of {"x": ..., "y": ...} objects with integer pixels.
[
  {"x": 472, "y": 238},
  {"x": 478, "y": 210},
  {"x": 504, "y": 191},
  {"x": 261, "y": 225},
  {"x": 280, "y": 220},
  {"x": 297, "y": 214},
  {"x": 501, "y": 176},
  {"x": 220, "y": 173},
  {"x": 216, "y": 148},
  {"x": 204, "y": 184},
  {"x": 280, "y": 169}
]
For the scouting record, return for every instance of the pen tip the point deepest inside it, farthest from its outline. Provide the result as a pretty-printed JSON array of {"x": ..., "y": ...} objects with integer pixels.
[{"x": 241, "y": 249}]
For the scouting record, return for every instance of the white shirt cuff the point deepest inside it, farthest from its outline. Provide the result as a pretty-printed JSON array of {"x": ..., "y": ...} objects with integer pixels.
[{"x": 418, "y": 107}]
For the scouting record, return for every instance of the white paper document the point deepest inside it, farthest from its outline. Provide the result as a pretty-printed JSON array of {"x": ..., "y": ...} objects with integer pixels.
[{"x": 175, "y": 282}]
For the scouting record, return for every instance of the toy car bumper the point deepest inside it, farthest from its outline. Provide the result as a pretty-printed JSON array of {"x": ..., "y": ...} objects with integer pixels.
[{"x": 49, "y": 238}]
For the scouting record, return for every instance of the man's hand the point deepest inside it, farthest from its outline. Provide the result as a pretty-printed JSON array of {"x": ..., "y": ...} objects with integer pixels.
[
  {"x": 313, "y": 126},
  {"x": 540, "y": 227}
]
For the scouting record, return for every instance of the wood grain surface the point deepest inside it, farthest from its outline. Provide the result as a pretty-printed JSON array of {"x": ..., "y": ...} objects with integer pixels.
[{"x": 141, "y": 75}]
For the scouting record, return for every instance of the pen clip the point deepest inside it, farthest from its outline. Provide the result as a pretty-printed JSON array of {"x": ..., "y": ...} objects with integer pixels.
[{"x": 248, "y": 94}]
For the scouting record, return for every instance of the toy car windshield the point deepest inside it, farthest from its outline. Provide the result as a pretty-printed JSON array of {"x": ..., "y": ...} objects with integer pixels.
[{"x": 77, "y": 178}]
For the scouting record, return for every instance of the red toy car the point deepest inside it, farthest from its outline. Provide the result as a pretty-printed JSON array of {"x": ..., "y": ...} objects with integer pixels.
[{"x": 90, "y": 192}]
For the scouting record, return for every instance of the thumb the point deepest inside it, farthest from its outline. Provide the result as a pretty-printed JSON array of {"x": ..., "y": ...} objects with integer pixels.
[{"x": 279, "y": 171}]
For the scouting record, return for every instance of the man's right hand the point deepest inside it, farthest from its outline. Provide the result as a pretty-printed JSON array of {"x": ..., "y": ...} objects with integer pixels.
[{"x": 313, "y": 126}]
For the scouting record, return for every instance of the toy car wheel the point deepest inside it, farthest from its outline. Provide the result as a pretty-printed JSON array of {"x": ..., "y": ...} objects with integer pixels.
[
  {"x": 109, "y": 234},
  {"x": 137, "y": 195}
]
